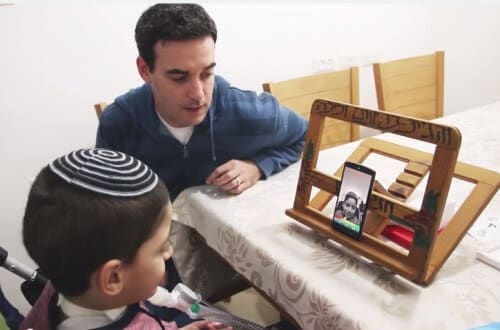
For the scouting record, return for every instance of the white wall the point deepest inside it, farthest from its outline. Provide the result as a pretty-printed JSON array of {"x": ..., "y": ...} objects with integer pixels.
[{"x": 56, "y": 61}]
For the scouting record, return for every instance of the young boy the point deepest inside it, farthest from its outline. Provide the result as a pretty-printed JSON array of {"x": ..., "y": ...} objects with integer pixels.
[
  {"x": 348, "y": 209},
  {"x": 97, "y": 224}
]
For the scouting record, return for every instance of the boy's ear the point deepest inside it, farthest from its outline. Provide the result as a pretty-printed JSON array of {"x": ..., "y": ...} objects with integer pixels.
[
  {"x": 143, "y": 69},
  {"x": 110, "y": 277}
]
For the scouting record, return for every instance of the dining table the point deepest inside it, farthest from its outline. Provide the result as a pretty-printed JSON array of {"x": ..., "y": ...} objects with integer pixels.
[{"x": 324, "y": 285}]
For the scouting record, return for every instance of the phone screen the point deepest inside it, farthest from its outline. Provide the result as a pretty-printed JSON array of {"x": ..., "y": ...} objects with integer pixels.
[{"x": 353, "y": 197}]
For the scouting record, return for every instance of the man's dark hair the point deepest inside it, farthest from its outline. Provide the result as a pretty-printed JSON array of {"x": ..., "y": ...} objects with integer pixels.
[
  {"x": 70, "y": 232},
  {"x": 168, "y": 21}
]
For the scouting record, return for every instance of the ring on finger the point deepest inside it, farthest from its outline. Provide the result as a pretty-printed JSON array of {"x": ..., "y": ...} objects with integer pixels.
[{"x": 238, "y": 182}]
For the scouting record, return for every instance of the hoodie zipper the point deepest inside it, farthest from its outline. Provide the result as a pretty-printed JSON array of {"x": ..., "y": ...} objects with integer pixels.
[{"x": 186, "y": 145}]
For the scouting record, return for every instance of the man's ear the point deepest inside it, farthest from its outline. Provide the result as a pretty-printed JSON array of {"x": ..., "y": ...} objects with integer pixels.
[
  {"x": 110, "y": 277},
  {"x": 143, "y": 69}
]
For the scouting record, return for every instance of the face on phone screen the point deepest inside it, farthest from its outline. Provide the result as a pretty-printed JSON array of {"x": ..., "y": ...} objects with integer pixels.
[{"x": 353, "y": 197}]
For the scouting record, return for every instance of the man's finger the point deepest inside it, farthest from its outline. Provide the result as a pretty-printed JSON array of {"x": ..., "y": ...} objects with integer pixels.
[{"x": 218, "y": 172}]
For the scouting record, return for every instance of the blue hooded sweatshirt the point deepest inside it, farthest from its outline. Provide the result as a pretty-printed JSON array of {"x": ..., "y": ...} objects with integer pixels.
[{"x": 239, "y": 125}]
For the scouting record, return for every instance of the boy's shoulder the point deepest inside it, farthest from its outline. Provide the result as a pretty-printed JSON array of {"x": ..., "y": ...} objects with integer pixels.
[{"x": 137, "y": 316}]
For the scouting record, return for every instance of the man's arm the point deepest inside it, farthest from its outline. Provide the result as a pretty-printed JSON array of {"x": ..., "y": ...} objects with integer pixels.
[
  {"x": 110, "y": 132},
  {"x": 286, "y": 145},
  {"x": 281, "y": 146},
  {"x": 101, "y": 141}
]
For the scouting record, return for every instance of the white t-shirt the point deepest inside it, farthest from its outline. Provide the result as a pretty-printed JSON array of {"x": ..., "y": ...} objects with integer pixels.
[
  {"x": 83, "y": 318},
  {"x": 182, "y": 134}
]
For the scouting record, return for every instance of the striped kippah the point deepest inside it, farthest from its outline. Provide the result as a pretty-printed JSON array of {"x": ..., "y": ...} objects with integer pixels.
[{"x": 106, "y": 172}]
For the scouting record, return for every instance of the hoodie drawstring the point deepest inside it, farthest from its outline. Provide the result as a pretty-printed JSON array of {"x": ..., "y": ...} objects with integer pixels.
[{"x": 214, "y": 158}]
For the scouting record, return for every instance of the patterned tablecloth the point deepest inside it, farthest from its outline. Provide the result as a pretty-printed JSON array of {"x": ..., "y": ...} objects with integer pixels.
[{"x": 324, "y": 286}]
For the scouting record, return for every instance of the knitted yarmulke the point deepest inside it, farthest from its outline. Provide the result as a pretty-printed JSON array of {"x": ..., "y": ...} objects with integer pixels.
[{"x": 105, "y": 171}]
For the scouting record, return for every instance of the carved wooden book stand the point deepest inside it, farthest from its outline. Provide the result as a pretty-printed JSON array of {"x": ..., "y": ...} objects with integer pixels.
[{"x": 429, "y": 250}]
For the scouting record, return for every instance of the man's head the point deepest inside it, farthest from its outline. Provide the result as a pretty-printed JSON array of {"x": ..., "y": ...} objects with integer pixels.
[
  {"x": 95, "y": 218},
  {"x": 176, "y": 44},
  {"x": 171, "y": 22},
  {"x": 350, "y": 205}
]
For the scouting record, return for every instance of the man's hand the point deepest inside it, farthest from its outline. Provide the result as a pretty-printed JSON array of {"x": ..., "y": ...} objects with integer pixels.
[
  {"x": 235, "y": 176},
  {"x": 206, "y": 325}
]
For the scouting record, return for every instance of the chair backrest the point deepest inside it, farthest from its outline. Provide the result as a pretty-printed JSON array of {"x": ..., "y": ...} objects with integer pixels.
[
  {"x": 411, "y": 86},
  {"x": 299, "y": 94},
  {"x": 99, "y": 108}
]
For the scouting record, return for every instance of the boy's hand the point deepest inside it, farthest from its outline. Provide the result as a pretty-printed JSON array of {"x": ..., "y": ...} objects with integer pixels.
[{"x": 206, "y": 325}]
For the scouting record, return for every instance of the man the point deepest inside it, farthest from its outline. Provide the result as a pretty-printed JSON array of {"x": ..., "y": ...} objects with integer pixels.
[
  {"x": 212, "y": 132},
  {"x": 209, "y": 131}
]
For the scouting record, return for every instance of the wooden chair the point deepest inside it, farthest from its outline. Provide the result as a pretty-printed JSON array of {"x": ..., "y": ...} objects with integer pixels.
[
  {"x": 411, "y": 86},
  {"x": 299, "y": 94},
  {"x": 99, "y": 108}
]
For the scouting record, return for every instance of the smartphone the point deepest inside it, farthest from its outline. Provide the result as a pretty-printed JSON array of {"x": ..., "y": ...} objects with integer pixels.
[{"x": 352, "y": 199}]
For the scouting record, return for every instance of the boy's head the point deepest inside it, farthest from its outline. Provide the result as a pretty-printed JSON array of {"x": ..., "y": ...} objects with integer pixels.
[
  {"x": 99, "y": 219},
  {"x": 350, "y": 205}
]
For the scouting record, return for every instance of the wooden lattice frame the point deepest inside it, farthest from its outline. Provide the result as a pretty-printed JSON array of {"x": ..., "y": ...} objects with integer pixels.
[{"x": 429, "y": 250}]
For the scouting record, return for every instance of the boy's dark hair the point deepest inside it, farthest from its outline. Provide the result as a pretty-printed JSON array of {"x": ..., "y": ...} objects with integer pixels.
[
  {"x": 169, "y": 21},
  {"x": 70, "y": 232}
]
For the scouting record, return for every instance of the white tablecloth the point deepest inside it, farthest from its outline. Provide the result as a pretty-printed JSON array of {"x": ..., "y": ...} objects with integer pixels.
[{"x": 324, "y": 286}]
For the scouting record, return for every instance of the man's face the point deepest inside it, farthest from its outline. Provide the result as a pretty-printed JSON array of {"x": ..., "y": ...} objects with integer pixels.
[
  {"x": 349, "y": 206},
  {"x": 182, "y": 80}
]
